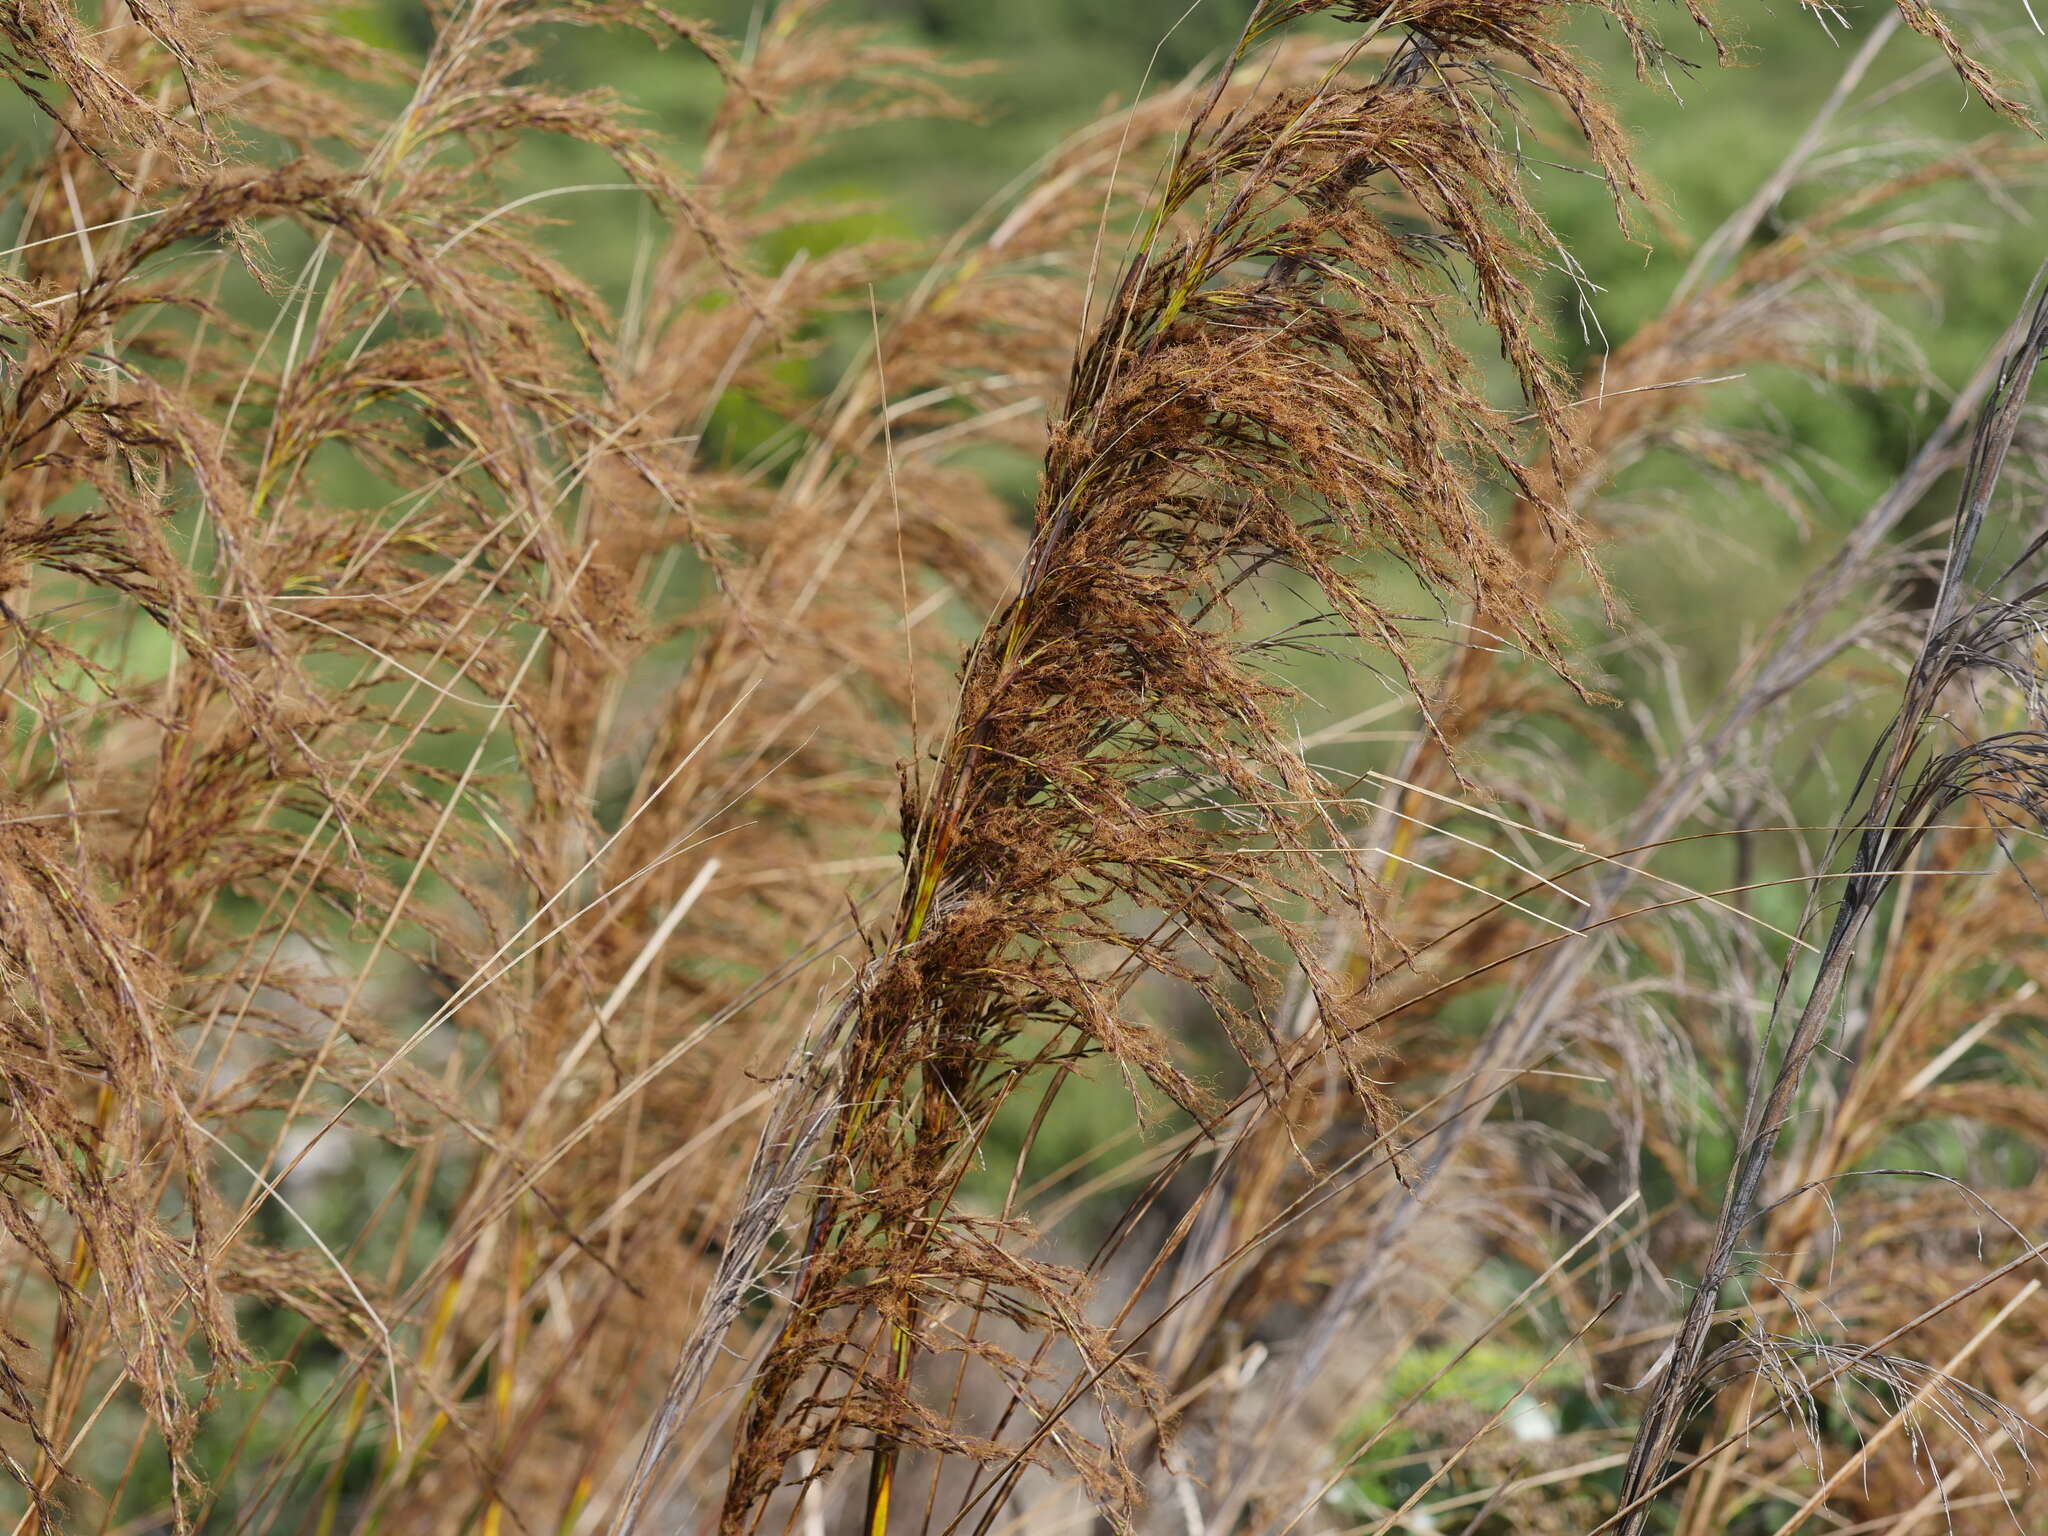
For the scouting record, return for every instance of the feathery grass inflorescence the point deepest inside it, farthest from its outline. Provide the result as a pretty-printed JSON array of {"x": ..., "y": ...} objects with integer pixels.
[
  {"x": 454, "y": 718},
  {"x": 1273, "y": 389},
  {"x": 246, "y": 795}
]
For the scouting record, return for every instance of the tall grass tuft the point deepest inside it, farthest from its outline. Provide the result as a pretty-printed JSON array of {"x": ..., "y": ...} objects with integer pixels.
[{"x": 544, "y": 992}]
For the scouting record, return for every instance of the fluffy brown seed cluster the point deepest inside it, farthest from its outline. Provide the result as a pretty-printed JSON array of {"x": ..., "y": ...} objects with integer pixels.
[
  {"x": 427, "y": 739},
  {"x": 1273, "y": 391},
  {"x": 214, "y": 861}
]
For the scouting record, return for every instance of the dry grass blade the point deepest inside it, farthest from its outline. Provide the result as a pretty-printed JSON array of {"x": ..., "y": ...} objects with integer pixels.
[{"x": 2004, "y": 772}]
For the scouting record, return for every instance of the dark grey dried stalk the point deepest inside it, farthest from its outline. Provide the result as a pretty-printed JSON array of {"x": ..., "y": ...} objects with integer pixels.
[{"x": 2011, "y": 771}]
